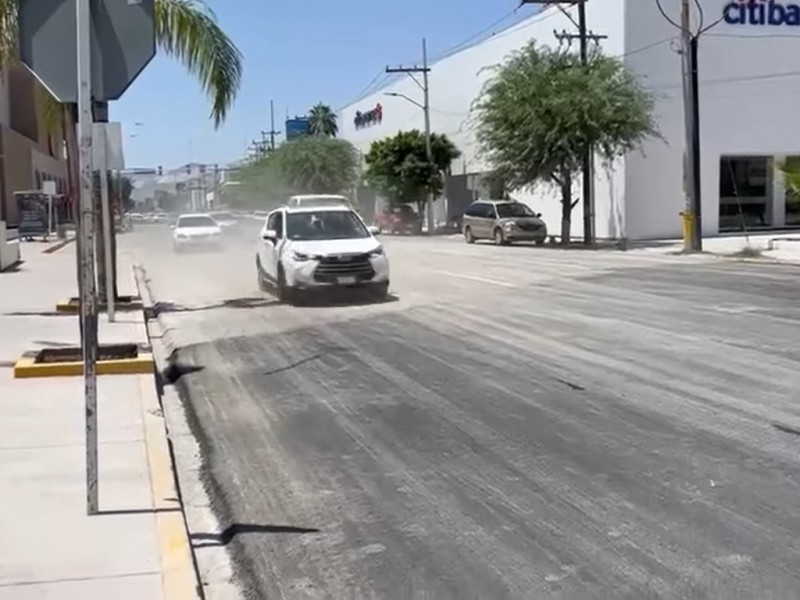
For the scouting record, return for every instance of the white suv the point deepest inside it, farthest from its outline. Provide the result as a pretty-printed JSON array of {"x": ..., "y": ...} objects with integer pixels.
[
  {"x": 319, "y": 248},
  {"x": 318, "y": 200}
]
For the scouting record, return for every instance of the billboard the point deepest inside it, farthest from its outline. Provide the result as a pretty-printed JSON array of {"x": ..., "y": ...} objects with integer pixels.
[{"x": 296, "y": 128}]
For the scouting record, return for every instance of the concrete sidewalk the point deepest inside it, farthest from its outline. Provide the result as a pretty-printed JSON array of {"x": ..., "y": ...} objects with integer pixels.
[
  {"x": 137, "y": 548},
  {"x": 777, "y": 246}
]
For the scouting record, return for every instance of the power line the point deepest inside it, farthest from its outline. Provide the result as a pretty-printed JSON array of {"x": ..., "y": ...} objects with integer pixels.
[
  {"x": 473, "y": 39},
  {"x": 742, "y": 79}
]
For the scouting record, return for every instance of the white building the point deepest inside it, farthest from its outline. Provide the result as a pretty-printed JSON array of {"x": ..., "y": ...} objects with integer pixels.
[{"x": 749, "y": 117}]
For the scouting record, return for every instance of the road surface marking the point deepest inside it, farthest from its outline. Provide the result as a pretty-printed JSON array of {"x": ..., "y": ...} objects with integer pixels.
[{"x": 480, "y": 279}]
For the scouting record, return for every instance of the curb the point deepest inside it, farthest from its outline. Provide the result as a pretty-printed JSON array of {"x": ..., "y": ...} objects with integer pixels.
[
  {"x": 180, "y": 574},
  {"x": 26, "y": 367},
  {"x": 179, "y": 579},
  {"x": 58, "y": 245},
  {"x": 70, "y": 307}
]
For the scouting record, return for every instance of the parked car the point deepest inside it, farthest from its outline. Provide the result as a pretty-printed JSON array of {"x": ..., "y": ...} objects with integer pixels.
[
  {"x": 319, "y": 249},
  {"x": 398, "y": 219},
  {"x": 504, "y": 221},
  {"x": 196, "y": 231}
]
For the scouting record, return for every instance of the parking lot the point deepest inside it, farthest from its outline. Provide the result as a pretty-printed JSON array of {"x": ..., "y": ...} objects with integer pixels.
[{"x": 512, "y": 422}]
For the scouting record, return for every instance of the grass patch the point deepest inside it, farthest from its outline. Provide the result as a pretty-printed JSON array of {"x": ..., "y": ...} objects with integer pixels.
[{"x": 748, "y": 252}]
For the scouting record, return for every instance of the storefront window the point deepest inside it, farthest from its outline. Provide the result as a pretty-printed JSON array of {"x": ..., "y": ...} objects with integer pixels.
[
  {"x": 792, "y": 184},
  {"x": 745, "y": 192}
]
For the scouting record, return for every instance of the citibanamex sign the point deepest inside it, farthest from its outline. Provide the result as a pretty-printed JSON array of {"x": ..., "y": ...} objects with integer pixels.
[
  {"x": 762, "y": 13},
  {"x": 369, "y": 118}
]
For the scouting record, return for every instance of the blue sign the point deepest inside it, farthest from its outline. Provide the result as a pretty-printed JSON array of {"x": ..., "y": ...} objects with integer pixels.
[
  {"x": 761, "y": 12},
  {"x": 296, "y": 128}
]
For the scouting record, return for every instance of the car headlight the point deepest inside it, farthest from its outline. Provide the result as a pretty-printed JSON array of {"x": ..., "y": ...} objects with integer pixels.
[
  {"x": 301, "y": 257},
  {"x": 377, "y": 252},
  {"x": 182, "y": 236},
  {"x": 510, "y": 225}
]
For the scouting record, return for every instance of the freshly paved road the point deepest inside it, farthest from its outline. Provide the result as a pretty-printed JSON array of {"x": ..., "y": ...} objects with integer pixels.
[{"x": 519, "y": 423}]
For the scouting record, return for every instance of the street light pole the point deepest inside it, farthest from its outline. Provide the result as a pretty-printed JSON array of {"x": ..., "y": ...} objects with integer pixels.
[
  {"x": 428, "y": 148},
  {"x": 426, "y": 109}
]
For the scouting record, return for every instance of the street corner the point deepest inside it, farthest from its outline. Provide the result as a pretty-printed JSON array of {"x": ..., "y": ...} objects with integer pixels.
[{"x": 117, "y": 359}]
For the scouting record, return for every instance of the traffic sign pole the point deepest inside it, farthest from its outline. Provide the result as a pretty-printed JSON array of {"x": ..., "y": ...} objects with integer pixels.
[
  {"x": 108, "y": 223},
  {"x": 87, "y": 264}
]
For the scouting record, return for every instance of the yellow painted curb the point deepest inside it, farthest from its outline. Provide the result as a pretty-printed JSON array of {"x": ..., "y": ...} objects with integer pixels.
[
  {"x": 27, "y": 367},
  {"x": 178, "y": 576},
  {"x": 70, "y": 308}
]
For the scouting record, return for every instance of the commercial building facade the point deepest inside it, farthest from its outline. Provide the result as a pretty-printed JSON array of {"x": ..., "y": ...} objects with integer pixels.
[
  {"x": 29, "y": 154},
  {"x": 749, "y": 91}
]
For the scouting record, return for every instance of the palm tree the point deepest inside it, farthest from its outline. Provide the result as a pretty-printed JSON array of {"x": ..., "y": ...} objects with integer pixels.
[
  {"x": 322, "y": 121},
  {"x": 185, "y": 29}
]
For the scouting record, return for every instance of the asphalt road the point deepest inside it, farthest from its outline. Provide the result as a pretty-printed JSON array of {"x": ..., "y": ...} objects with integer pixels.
[{"x": 516, "y": 423}]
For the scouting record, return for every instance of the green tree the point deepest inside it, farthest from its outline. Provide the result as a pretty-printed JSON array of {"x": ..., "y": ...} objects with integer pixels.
[
  {"x": 322, "y": 121},
  {"x": 310, "y": 164},
  {"x": 398, "y": 167},
  {"x": 542, "y": 108}
]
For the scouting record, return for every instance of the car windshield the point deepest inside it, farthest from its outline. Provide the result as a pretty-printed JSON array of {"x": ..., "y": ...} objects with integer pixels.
[
  {"x": 514, "y": 209},
  {"x": 325, "y": 225},
  {"x": 198, "y": 221}
]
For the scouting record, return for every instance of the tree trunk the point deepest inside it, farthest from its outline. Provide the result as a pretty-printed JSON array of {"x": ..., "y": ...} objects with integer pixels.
[{"x": 566, "y": 207}]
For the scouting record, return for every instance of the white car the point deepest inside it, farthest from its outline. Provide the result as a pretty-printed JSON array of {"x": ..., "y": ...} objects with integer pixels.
[
  {"x": 318, "y": 200},
  {"x": 225, "y": 219},
  {"x": 196, "y": 231},
  {"x": 319, "y": 248}
]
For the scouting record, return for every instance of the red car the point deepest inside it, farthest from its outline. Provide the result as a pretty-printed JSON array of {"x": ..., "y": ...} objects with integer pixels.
[{"x": 400, "y": 219}]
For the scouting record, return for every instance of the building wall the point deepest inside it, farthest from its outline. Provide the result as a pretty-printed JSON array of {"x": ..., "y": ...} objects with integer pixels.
[
  {"x": 27, "y": 156},
  {"x": 749, "y": 91},
  {"x": 455, "y": 83}
]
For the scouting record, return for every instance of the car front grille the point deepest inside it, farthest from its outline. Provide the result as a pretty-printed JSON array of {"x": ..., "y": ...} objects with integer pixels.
[
  {"x": 331, "y": 268},
  {"x": 529, "y": 226}
]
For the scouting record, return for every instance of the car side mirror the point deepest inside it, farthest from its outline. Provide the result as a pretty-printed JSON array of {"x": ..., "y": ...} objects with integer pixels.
[
  {"x": 538, "y": 215},
  {"x": 373, "y": 230},
  {"x": 270, "y": 235}
]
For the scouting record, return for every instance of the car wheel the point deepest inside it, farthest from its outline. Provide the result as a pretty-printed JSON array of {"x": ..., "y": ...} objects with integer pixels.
[
  {"x": 284, "y": 292},
  {"x": 262, "y": 281},
  {"x": 380, "y": 291},
  {"x": 468, "y": 237},
  {"x": 499, "y": 237}
]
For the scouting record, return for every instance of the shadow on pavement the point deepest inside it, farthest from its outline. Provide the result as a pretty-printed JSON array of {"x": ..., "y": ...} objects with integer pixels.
[
  {"x": 225, "y": 537},
  {"x": 137, "y": 511},
  {"x": 342, "y": 299},
  {"x": 253, "y": 302}
]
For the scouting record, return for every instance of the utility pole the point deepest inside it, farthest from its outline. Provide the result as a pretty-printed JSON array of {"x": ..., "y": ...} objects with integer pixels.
[
  {"x": 271, "y": 133},
  {"x": 693, "y": 234},
  {"x": 426, "y": 109},
  {"x": 583, "y": 36}
]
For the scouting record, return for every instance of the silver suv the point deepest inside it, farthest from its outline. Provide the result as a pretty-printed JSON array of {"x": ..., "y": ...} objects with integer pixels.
[{"x": 504, "y": 221}]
